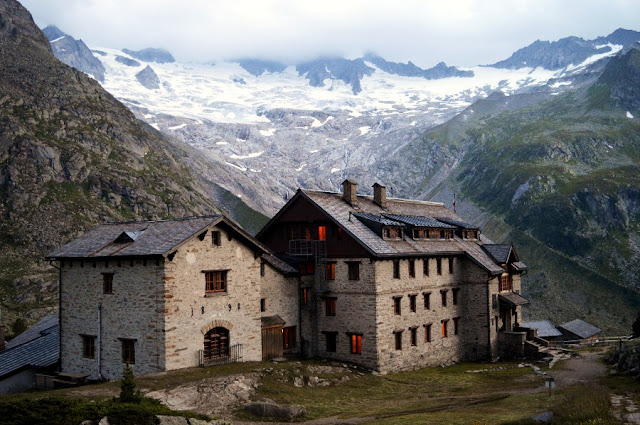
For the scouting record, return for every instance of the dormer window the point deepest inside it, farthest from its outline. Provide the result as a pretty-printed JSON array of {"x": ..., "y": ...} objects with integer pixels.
[
  {"x": 420, "y": 233},
  {"x": 470, "y": 234},
  {"x": 391, "y": 233}
]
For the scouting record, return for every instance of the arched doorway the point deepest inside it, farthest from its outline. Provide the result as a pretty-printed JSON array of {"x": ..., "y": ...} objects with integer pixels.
[{"x": 216, "y": 343}]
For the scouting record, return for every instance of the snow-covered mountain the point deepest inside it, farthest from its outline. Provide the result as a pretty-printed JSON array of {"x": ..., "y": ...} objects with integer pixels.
[{"x": 277, "y": 127}]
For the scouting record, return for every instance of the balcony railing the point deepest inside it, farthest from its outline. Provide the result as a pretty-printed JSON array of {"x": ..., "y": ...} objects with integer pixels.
[{"x": 209, "y": 358}]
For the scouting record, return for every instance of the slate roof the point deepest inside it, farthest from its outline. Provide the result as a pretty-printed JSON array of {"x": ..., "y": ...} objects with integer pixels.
[
  {"x": 152, "y": 238},
  {"x": 342, "y": 213},
  {"x": 500, "y": 252},
  {"x": 420, "y": 221},
  {"x": 34, "y": 331},
  {"x": 580, "y": 328},
  {"x": 457, "y": 223},
  {"x": 513, "y": 298},
  {"x": 544, "y": 327},
  {"x": 41, "y": 348},
  {"x": 378, "y": 219},
  {"x": 279, "y": 265}
]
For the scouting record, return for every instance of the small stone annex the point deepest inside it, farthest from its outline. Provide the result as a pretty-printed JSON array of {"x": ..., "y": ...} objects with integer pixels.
[{"x": 389, "y": 284}]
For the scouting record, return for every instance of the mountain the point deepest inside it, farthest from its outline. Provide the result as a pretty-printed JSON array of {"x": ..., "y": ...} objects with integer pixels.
[
  {"x": 71, "y": 157},
  {"x": 349, "y": 71},
  {"x": 257, "y": 67},
  {"x": 148, "y": 78},
  {"x": 74, "y": 53},
  {"x": 567, "y": 51},
  {"x": 441, "y": 70},
  {"x": 560, "y": 178},
  {"x": 151, "y": 55}
]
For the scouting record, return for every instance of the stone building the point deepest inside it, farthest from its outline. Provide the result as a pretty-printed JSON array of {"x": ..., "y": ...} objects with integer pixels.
[
  {"x": 395, "y": 284},
  {"x": 170, "y": 294},
  {"x": 389, "y": 284}
]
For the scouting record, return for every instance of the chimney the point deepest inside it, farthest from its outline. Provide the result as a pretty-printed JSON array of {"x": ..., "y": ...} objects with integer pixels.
[
  {"x": 380, "y": 195},
  {"x": 349, "y": 192},
  {"x": 1, "y": 337}
]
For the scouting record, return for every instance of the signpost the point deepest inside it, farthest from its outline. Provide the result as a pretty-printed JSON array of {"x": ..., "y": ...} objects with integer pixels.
[{"x": 550, "y": 383}]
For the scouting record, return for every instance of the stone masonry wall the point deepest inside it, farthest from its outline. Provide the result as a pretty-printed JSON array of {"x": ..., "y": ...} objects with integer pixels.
[
  {"x": 280, "y": 294},
  {"x": 189, "y": 314},
  {"x": 470, "y": 311},
  {"x": 133, "y": 311},
  {"x": 354, "y": 314}
]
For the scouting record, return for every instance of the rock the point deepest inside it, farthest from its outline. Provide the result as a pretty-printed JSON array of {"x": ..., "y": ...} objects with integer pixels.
[
  {"x": 148, "y": 78},
  {"x": 171, "y": 420},
  {"x": 87, "y": 422},
  {"x": 104, "y": 421},
  {"x": 544, "y": 417},
  {"x": 272, "y": 410},
  {"x": 298, "y": 381}
]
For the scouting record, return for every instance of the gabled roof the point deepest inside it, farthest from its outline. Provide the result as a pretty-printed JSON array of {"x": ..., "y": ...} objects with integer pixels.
[
  {"x": 279, "y": 265},
  {"x": 580, "y": 328},
  {"x": 380, "y": 219},
  {"x": 341, "y": 213},
  {"x": 144, "y": 238},
  {"x": 544, "y": 327},
  {"x": 499, "y": 252},
  {"x": 40, "y": 347}
]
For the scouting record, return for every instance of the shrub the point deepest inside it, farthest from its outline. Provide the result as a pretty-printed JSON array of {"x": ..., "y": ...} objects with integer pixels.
[
  {"x": 636, "y": 327},
  {"x": 128, "y": 393}
]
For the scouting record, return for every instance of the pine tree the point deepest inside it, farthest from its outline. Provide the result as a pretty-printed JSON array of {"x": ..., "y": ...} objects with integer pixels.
[{"x": 128, "y": 393}]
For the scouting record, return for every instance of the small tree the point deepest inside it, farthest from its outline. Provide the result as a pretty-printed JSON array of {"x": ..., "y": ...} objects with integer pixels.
[
  {"x": 636, "y": 327},
  {"x": 128, "y": 393},
  {"x": 18, "y": 326}
]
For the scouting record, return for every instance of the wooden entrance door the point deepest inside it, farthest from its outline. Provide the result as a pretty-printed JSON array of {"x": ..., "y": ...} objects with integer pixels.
[
  {"x": 216, "y": 343},
  {"x": 271, "y": 342}
]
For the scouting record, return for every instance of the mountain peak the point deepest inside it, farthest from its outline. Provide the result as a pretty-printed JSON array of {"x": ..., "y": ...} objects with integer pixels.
[{"x": 151, "y": 54}]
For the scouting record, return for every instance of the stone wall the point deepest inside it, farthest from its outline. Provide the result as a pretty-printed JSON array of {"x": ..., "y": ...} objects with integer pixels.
[
  {"x": 190, "y": 313},
  {"x": 470, "y": 311},
  {"x": 281, "y": 296},
  {"x": 134, "y": 310}
]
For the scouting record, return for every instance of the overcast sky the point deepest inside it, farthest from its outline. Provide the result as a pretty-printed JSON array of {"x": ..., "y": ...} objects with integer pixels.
[{"x": 458, "y": 32}]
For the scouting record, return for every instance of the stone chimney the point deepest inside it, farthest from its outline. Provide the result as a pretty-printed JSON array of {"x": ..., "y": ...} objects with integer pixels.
[
  {"x": 349, "y": 192},
  {"x": 380, "y": 195}
]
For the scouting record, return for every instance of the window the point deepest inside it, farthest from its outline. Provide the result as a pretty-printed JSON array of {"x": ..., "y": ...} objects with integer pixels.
[
  {"x": 128, "y": 350},
  {"x": 330, "y": 306},
  {"x": 505, "y": 282},
  {"x": 427, "y": 332},
  {"x": 216, "y": 238},
  {"x": 443, "y": 294},
  {"x": 414, "y": 336},
  {"x": 339, "y": 233},
  {"x": 330, "y": 341},
  {"x": 444, "y": 324},
  {"x": 391, "y": 233},
  {"x": 425, "y": 267},
  {"x": 441, "y": 234},
  {"x": 107, "y": 283},
  {"x": 262, "y": 269},
  {"x": 88, "y": 346},
  {"x": 454, "y": 293},
  {"x": 289, "y": 337},
  {"x": 293, "y": 232},
  {"x": 396, "y": 269},
  {"x": 304, "y": 296},
  {"x": 215, "y": 281},
  {"x": 412, "y": 268},
  {"x": 397, "y": 305},
  {"x": 398, "y": 339},
  {"x": 439, "y": 265},
  {"x": 427, "y": 300},
  {"x": 263, "y": 304},
  {"x": 456, "y": 325},
  {"x": 354, "y": 270},
  {"x": 307, "y": 269},
  {"x": 412, "y": 303},
  {"x": 307, "y": 232},
  {"x": 331, "y": 271},
  {"x": 356, "y": 343},
  {"x": 322, "y": 233},
  {"x": 450, "y": 265}
]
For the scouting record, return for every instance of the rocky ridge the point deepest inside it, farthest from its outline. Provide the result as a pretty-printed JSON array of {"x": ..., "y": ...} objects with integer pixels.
[{"x": 74, "y": 53}]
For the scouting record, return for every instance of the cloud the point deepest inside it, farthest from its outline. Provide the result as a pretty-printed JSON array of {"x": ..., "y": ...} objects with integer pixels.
[{"x": 460, "y": 32}]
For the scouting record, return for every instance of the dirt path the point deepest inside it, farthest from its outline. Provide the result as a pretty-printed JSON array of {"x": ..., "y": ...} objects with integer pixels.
[{"x": 586, "y": 368}]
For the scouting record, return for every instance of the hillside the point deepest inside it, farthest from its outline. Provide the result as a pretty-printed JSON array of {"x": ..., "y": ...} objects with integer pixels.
[
  {"x": 72, "y": 156},
  {"x": 560, "y": 179}
]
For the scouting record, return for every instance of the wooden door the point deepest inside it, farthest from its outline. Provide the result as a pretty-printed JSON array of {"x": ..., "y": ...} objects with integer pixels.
[{"x": 271, "y": 342}]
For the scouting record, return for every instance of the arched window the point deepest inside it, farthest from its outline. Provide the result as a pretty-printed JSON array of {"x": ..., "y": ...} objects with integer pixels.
[{"x": 216, "y": 343}]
